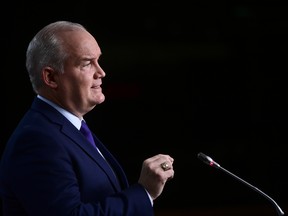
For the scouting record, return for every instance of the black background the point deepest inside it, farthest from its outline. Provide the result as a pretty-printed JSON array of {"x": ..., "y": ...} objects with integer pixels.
[{"x": 181, "y": 78}]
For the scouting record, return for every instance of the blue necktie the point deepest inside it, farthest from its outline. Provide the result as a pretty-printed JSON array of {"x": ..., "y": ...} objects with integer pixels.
[{"x": 87, "y": 133}]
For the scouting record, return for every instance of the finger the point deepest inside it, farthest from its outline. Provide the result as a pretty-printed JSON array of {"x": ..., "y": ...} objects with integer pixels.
[
  {"x": 169, "y": 174},
  {"x": 161, "y": 156}
]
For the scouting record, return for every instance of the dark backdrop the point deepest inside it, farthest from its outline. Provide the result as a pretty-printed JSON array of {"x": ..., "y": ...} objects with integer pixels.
[{"x": 181, "y": 79}]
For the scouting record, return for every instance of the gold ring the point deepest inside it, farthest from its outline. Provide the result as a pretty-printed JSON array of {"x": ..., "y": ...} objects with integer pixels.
[{"x": 165, "y": 166}]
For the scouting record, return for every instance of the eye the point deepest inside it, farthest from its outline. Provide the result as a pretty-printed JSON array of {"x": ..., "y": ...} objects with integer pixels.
[{"x": 86, "y": 63}]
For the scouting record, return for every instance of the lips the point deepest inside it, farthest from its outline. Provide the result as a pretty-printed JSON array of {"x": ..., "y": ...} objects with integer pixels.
[{"x": 96, "y": 86}]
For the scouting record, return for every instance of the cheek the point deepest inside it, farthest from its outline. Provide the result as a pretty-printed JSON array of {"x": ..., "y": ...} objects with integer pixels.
[{"x": 78, "y": 81}]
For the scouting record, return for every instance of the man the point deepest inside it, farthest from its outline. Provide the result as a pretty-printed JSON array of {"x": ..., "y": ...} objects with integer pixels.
[{"x": 49, "y": 167}]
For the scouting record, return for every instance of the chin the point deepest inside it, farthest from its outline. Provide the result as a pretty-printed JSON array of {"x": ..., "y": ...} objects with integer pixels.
[{"x": 100, "y": 99}]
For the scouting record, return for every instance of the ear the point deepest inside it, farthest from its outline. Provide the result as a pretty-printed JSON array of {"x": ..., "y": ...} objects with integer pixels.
[{"x": 49, "y": 76}]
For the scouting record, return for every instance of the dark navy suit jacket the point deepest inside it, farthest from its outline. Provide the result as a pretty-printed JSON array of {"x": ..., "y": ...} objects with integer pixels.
[{"x": 49, "y": 168}]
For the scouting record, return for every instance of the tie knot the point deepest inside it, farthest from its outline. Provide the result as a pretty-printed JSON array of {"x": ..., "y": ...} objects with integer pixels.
[{"x": 85, "y": 129}]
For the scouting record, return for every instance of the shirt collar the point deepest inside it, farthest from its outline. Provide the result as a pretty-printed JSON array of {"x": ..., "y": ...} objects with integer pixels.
[{"x": 76, "y": 121}]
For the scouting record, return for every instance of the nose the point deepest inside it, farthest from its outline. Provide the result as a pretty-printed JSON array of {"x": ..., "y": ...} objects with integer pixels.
[{"x": 99, "y": 72}]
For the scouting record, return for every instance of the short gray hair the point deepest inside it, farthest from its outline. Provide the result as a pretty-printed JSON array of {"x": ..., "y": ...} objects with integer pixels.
[{"x": 46, "y": 49}]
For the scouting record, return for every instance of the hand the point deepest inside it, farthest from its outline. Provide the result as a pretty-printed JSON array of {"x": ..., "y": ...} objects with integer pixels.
[{"x": 155, "y": 173}]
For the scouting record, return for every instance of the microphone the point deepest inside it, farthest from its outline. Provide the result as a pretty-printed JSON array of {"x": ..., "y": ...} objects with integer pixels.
[{"x": 209, "y": 161}]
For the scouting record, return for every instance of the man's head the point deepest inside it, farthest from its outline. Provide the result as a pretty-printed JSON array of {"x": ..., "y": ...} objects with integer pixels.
[{"x": 62, "y": 62}]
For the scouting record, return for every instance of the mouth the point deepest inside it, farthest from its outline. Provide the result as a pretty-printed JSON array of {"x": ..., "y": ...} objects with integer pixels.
[{"x": 96, "y": 88}]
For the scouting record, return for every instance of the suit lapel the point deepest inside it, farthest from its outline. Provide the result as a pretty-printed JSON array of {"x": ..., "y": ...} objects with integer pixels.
[
  {"x": 118, "y": 171},
  {"x": 92, "y": 152}
]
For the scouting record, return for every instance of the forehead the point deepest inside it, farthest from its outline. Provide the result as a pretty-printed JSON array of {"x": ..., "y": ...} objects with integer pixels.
[{"x": 80, "y": 43}]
